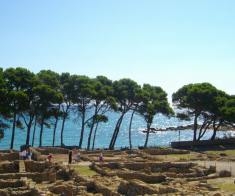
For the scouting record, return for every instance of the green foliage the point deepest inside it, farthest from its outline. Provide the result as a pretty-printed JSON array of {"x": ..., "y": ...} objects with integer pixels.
[
  {"x": 196, "y": 97},
  {"x": 205, "y": 100},
  {"x": 49, "y": 78},
  {"x": 228, "y": 110},
  {"x": 125, "y": 91},
  {"x": 154, "y": 100},
  {"x": 25, "y": 96}
]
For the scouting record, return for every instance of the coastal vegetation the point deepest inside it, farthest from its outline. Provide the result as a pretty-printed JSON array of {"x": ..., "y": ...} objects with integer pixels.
[
  {"x": 204, "y": 101},
  {"x": 29, "y": 100}
]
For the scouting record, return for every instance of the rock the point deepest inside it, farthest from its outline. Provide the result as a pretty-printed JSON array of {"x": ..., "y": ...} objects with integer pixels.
[
  {"x": 67, "y": 189},
  {"x": 199, "y": 172},
  {"x": 224, "y": 173},
  {"x": 223, "y": 154},
  {"x": 136, "y": 187},
  {"x": 106, "y": 191},
  {"x": 4, "y": 193},
  {"x": 64, "y": 174},
  {"x": 217, "y": 194},
  {"x": 215, "y": 175},
  {"x": 211, "y": 170},
  {"x": 114, "y": 165}
]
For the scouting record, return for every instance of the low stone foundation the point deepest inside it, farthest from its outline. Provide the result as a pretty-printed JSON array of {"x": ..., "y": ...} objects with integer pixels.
[
  {"x": 11, "y": 183},
  {"x": 37, "y": 177},
  {"x": 35, "y": 166},
  {"x": 153, "y": 178},
  {"x": 52, "y": 150},
  {"x": 162, "y": 151},
  {"x": 9, "y": 167},
  {"x": 9, "y": 156},
  {"x": 135, "y": 187}
]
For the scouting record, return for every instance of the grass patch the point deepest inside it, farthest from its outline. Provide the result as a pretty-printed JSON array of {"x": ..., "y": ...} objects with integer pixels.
[
  {"x": 218, "y": 152},
  {"x": 177, "y": 157},
  {"x": 229, "y": 187},
  {"x": 84, "y": 170},
  {"x": 224, "y": 184}
]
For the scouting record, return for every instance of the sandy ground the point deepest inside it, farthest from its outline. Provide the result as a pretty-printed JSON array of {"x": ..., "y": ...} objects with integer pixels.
[{"x": 220, "y": 165}]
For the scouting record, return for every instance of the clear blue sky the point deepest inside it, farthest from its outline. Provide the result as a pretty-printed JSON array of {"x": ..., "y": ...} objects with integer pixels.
[{"x": 162, "y": 42}]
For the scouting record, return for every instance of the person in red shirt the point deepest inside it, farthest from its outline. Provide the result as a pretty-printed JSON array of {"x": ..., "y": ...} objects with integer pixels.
[{"x": 49, "y": 157}]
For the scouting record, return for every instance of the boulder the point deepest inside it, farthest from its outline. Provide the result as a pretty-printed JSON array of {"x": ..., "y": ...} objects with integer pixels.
[
  {"x": 211, "y": 170},
  {"x": 225, "y": 173},
  {"x": 64, "y": 174}
]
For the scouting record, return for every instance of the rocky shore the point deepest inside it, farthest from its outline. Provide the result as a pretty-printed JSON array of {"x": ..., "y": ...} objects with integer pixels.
[{"x": 187, "y": 127}]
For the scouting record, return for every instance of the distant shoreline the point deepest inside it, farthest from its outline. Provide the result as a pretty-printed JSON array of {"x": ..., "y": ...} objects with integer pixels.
[{"x": 187, "y": 127}]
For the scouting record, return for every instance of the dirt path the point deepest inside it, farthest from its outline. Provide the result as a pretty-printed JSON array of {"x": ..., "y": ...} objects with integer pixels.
[
  {"x": 220, "y": 165},
  {"x": 21, "y": 166},
  {"x": 81, "y": 163}
]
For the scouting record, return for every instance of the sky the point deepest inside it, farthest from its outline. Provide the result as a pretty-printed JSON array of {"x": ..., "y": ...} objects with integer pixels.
[{"x": 167, "y": 43}]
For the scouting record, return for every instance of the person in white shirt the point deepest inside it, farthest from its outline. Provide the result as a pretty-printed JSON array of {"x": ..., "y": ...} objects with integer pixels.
[{"x": 24, "y": 154}]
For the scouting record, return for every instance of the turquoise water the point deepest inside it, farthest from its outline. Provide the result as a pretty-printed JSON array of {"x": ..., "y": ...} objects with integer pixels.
[{"x": 104, "y": 133}]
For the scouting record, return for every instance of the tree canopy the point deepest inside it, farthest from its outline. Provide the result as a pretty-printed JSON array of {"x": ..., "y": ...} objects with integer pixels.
[
  {"x": 30, "y": 101},
  {"x": 205, "y": 101}
]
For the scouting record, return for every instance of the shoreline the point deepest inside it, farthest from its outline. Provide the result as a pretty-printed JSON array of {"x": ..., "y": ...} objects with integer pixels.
[{"x": 187, "y": 127}]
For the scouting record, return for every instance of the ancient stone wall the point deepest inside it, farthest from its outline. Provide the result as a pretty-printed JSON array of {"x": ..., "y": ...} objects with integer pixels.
[
  {"x": 52, "y": 150},
  {"x": 141, "y": 176},
  {"x": 35, "y": 166},
  {"x": 10, "y": 156},
  {"x": 9, "y": 167}
]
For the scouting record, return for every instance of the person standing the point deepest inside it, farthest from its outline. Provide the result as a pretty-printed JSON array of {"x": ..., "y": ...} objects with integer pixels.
[
  {"x": 101, "y": 158},
  {"x": 24, "y": 154},
  {"x": 70, "y": 156},
  {"x": 49, "y": 158},
  {"x": 78, "y": 156}
]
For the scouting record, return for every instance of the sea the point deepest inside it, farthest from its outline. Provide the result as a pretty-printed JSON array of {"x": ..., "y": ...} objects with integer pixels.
[{"x": 105, "y": 130}]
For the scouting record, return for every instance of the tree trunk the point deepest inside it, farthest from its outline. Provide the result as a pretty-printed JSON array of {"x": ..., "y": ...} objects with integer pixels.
[
  {"x": 91, "y": 129},
  {"x": 55, "y": 126},
  {"x": 130, "y": 143},
  {"x": 89, "y": 137},
  {"x": 34, "y": 130},
  {"x": 65, "y": 114},
  {"x": 115, "y": 133},
  {"x": 215, "y": 128},
  {"x": 201, "y": 128},
  {"x": 195, "y": 128},
  {"x": 28, "y": 130},
  {"x": 205, "y": 129},
  {"x": 13, "y": 131},
  {"x": 82, "y": 129},
  {"x": 62, "y": 131},
  {"x": 93, "y": 144},
  {"x": 147, "y": 136},
  {"x": 41, "y": 131}
]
